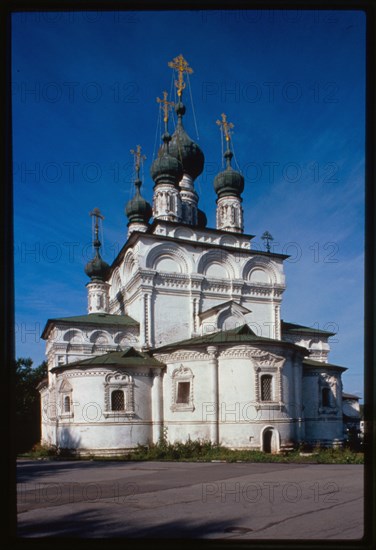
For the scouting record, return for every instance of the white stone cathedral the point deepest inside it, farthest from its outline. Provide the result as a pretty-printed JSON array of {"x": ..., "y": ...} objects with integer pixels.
[{"x": 183, "y": 336}]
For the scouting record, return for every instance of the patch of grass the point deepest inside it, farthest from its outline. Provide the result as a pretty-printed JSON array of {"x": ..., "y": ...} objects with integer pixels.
[
  {"x": 205, "y": 451},
  {"x": 40, "y": 451}
]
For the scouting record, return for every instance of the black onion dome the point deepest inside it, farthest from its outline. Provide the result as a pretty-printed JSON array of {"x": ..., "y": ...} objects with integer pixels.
[
  {"x": 138, "y": 209},
  {"x": 166, "y": 168},
  {"x": 97, "y": 269},
  {"x": 185, "y": 149},
  {"x": 201, "y": 219},
  {"x": 229, "y": 182}
]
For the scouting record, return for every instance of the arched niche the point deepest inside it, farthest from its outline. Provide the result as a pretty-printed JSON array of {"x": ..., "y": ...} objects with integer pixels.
[{"x": 167, "y": 258}]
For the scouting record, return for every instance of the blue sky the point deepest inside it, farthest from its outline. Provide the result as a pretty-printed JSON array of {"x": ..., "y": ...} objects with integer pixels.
[{"x": 293, "y": 84}]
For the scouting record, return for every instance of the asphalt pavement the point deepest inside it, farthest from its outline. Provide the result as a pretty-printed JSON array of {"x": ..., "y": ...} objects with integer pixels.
[{"x": 183, "y": 500}]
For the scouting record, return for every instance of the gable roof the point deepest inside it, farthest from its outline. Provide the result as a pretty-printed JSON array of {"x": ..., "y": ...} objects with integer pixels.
[
  {"x": 238, "y": 335},
  {"x": 230, "y": 303},
  {"x": 292, "y": 327},
  {"x": 95, "y": 319},
  {"x": 125, "y": 358}
]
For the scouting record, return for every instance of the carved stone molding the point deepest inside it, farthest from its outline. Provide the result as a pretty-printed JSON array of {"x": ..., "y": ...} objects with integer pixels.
[
  {"x": 119, "y": 381},
  {"x": 181, "y": 356},
  {"x": 181, "y": 374}
]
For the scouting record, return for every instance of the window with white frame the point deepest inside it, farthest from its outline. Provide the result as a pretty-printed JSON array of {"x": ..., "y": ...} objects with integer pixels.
[
  {"x": 268, "y": 391},
  {"x": 119, "y": 395},
  {"x": 182, "y": 389},
  {"x": 66, "y": 409},
  {"x": 327, "y": 394}
]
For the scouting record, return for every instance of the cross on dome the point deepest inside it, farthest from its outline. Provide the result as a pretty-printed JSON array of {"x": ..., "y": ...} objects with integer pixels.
[
  {"x": 225, "y": 127},
  {"x": 166, "y": 107},
  {"x": 138, "y": 158},
  {"x": 182, "y": 66}
]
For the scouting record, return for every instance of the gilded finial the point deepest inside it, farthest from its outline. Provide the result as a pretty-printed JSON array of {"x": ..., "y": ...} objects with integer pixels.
[
  {"x": 138, "y": 158},
  {"x": 167, "y": 105},
  {"x": 226, "y": 127},
  {"x": 182, "y": 66}
]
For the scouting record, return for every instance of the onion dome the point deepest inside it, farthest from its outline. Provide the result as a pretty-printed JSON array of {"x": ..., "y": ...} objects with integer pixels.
[
  {"x": 201, "y": 219},
  {"x": 184, "y": 148},
  {"x": 229, "y": 182},
  {"x": 166, "y": 168},
  {"x": 97, "y": 269},
  {"x": 138, "y": 210}
]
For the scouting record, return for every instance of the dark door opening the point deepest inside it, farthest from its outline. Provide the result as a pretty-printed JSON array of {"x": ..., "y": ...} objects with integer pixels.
[{"x": 267, "y": 441}]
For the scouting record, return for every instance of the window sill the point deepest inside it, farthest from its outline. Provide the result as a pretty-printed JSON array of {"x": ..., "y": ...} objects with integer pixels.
[
  {"x": 119, "y": 414},
  {"x": 65, "y": 416},
  {"x": 182, "y": 408},
  {"x": 269, "y": 405}
]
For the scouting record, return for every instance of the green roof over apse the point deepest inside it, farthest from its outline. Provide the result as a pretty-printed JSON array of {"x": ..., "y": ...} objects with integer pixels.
[
  {"x": 292, "y": 327},
  {"x": 97, "y": 319},
  {"x": 238, "y": 335},
  {"x": 320, "y": 364},
  {"x": 125, "y": 358}
]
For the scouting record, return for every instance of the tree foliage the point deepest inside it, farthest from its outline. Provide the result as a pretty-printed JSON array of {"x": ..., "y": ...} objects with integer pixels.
[{"x": 27, "y": 402}]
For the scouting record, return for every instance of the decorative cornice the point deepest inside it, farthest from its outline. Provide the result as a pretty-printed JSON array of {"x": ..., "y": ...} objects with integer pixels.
[{"x": 181, "y": 356}]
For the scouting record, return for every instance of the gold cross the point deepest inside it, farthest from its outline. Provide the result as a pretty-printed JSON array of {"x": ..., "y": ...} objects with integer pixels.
[
  {"x": 167, "y": 105},
  {"x": 181, "y": 65},
  {"x": 225, "y": 126},
  {"x": 96, "y": 213},
  {"x": 138, "y": 158}
]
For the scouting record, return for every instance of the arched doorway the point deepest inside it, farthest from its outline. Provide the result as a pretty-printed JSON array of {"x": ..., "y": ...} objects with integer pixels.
[
  {"x": 267, "y": 441},
  {"x": 270, "y": 440}
]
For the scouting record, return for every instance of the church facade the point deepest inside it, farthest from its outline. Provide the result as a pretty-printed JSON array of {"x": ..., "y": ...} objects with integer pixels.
[{"x": 183, "y": 337}]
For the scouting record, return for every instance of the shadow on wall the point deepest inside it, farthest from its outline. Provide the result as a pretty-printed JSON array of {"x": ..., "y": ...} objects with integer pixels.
[{"x": 68, "y": 443}]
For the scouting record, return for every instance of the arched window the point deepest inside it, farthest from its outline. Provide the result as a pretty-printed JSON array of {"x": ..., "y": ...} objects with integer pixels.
[
  {"x": 117, "y": 400},
  {"x": 266, "y": 387},
  {"x": 325, "y": 397},
  {"x": 67, "y": 407}
]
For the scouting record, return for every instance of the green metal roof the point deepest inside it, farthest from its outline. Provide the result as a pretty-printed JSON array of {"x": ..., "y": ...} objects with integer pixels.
[
  {"x": 313, "y": 363},
  {"x": 92, "y": 319},
  {"x": 292, "y": 327},
  {"x": 242, "y": 334},
  {"x": 125, "y": 358}
]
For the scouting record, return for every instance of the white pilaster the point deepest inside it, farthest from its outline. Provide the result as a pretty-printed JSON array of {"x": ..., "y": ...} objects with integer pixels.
[
  {"x": 157, "y": 405},
  {"x": 213, "y": 367}
]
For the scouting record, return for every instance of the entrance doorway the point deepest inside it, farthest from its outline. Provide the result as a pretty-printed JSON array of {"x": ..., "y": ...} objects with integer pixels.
[
  {"x": 270, "y": 441},
  {"x": 267, "y": 441}
]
